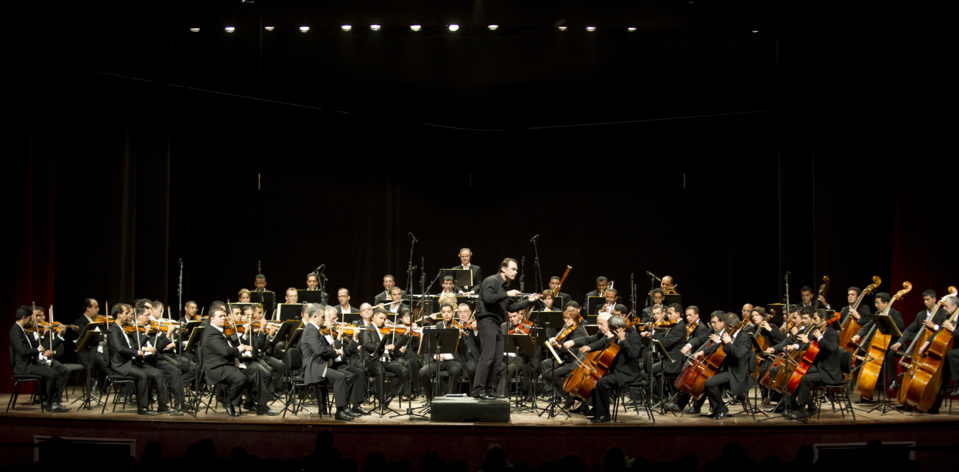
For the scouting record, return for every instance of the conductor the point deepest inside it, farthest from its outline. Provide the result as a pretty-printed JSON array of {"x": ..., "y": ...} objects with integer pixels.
[{"x": 491, "y": 311}]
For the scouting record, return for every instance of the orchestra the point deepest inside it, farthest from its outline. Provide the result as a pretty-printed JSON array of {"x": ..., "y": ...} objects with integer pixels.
[{"x": 681, "y": 359}]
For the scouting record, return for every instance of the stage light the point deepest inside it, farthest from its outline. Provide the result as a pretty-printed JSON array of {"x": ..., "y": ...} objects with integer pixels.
[
  {"x": 346, "y": 27},
  {"x": 269, "y": 28},
  {"x": 230, "y": 29},
  {"x": 304, "y": 29},
  {"x": 562, "y": 28},
  {"x": 631, "y": 29},
  {"x": 415, "y": 27},
  {"x": 454, "y": 27},
  {"x": 195, "y": 30},
  {"x": 493, "y": 27},
  {"x": 375, "y": 27},
  {"x": 590, "y": 28}
]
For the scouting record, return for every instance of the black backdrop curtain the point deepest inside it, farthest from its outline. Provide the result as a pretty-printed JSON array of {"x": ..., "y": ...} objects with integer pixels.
[{"x": 115, "y": 180}]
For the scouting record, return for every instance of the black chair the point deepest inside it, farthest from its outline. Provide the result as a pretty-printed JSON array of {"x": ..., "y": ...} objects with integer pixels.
[
  {"x": 298, "y": 386},
  {"x": 19, "y": 379},
  {"x": 837, "y": 392},
  {"x": 639, "y": 390}
]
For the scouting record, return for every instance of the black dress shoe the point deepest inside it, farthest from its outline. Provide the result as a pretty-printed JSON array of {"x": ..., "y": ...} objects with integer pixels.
[
  {"x": 267, "y": 412},
  {"x": 673, "y": 407},
  {"x": 358, "y": 411},
  {"x": 343, "y": 415},
  {"x": 145, "y": 412},
  {"x": 231, "y": 410},
  {"x": 799, "y": 414},
  {"x": 163, "y": 409},
  {"x": 600, "y": 419},
  {"x": 693, "y": 409},
  {"x": 591, "y": 413},
  {"x": 56, "y": 407},
  {"x": 486, "y": 396},
  {"x": 955, "y": 392},
  {"x": 720, "y": 413},
  {"x": 580, "y": 409}
]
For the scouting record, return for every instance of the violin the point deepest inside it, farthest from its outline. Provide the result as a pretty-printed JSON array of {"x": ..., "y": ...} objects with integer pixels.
[{"x": 522, "y": 328}]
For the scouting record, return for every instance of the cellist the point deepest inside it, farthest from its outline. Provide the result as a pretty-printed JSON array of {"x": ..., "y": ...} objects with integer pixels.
[
  {"x": 825, "y": 367},
  {"x": 739, "y": 359},
  {"x": 625, "y": 367},
  {"x": 696, "y": 334}
]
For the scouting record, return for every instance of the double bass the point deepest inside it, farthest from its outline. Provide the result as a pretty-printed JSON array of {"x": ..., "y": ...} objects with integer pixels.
[
  {"x": 921, "y": 383},
  {"x": 876, "y": 352},
  {"x": 852, "y": 326}
]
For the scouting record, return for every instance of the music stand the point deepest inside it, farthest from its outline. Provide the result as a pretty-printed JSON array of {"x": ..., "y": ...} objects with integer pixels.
[
  {"x": 593, "y": 304},
  {"x": 88, "y": 338},
  {"x": 353, "y": 318},
  {"x": 289, "y": 311},
  {"x": 265, "y": 298},
  {"x": 285, "y": 330},
  {"x": 670, "y": 299},
  {"x": 591, "y": 329},
  {"x": 462, "y": 278},
  {"x": 521, "y": 345},
  {"x": 548, "y": 319},
  {"x": 433, "y": 343},
  {"x": 884, "y": 325},
  {"x": 309, "y": 296},
  {"x": 193, "y": 341}
]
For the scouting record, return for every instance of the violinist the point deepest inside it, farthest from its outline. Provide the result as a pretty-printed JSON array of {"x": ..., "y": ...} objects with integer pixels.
[
  {"x": 468, "y": 350},
  {"x": 52, "y": 339},
  {"x": 395, "y": 302},
  {"x": 94, "y": 357},
  {"x": 317, "y": 354},
  {"x": 377, "y": 356},
  {"x": 126, "y": 358},
  {"x": 524, "y": 363},
  {"x": 347, "y": 348},
  {"x": 651, "y": 333},
  {"x": 30, "y": 358},
  {"x": 556, "y": 374},
  {"x": 739, "y": 359},
  {"x": 241, "y": 334},
  {"x": 406, "y": 336},
  {"x": 434, "y": 363},
  {"x": 625, "y": 367},
  {"x": 157, "y": 348},
  {"x": 825, "y": 367},
  {"x": 271, "y": 363}
]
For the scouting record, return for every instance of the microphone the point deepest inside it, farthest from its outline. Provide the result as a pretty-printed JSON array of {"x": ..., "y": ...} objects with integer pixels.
[
  {"x": 534, "y": 238},
  {"x": 414, "y": 238},
  {"x": 653, "y": 276},
  {"x": 319, "y": 270}
]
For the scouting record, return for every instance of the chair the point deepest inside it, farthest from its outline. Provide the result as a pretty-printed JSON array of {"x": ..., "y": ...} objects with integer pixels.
[
  {"x": 294, "y": 365},
  {"x": 23, "y": 378},
  {"x": 839, "y": 391},
  {"x": 639, "y": 390},
  {"x": 116, "y": 380}
]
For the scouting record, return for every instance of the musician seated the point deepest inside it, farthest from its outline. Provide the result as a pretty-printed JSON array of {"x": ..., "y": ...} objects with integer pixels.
[
  {"x": 433, "y": 363},
  {"x": 220, "y": 365},
  {"x": 32, "y": 358},
  {"x": 522, "y": 363},
  {"x": 825, "y": 367},
  {"x": 734, "y": 372},
  {"x": 317, "y": 354},
  {"x": 155, "y": 343},
  {"x": 624, "y": 367},
  {"x": 554, "y": 372},
  {"x": 378, "y": 358},
  {"x": 127, "y": 358}
]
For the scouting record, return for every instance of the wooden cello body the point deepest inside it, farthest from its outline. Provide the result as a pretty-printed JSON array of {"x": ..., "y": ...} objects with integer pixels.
[
  {"x": 692, "y": 380},
  {"x": 876, "y": 352},
  {"x": 595, "y": 365},
  {"x": 851, "y": 326}
]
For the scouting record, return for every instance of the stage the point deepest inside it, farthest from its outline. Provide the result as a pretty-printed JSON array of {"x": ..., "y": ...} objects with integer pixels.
[{"x": 527, "y": 439}]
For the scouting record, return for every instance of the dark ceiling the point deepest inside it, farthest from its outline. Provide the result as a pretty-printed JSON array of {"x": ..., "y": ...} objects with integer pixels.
[{"x": 685, "y": 57}]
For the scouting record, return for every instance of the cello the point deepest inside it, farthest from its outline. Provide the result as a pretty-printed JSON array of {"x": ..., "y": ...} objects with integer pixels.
[
  {"x": 807, "y": 357},
  {"x": 693, "y": 378},
  {"x": 921, "y": 383},
  {"x": 592, "y": 367},
  {"x": 876, "y": 352},
  {"x": 852, "y": 326}
]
